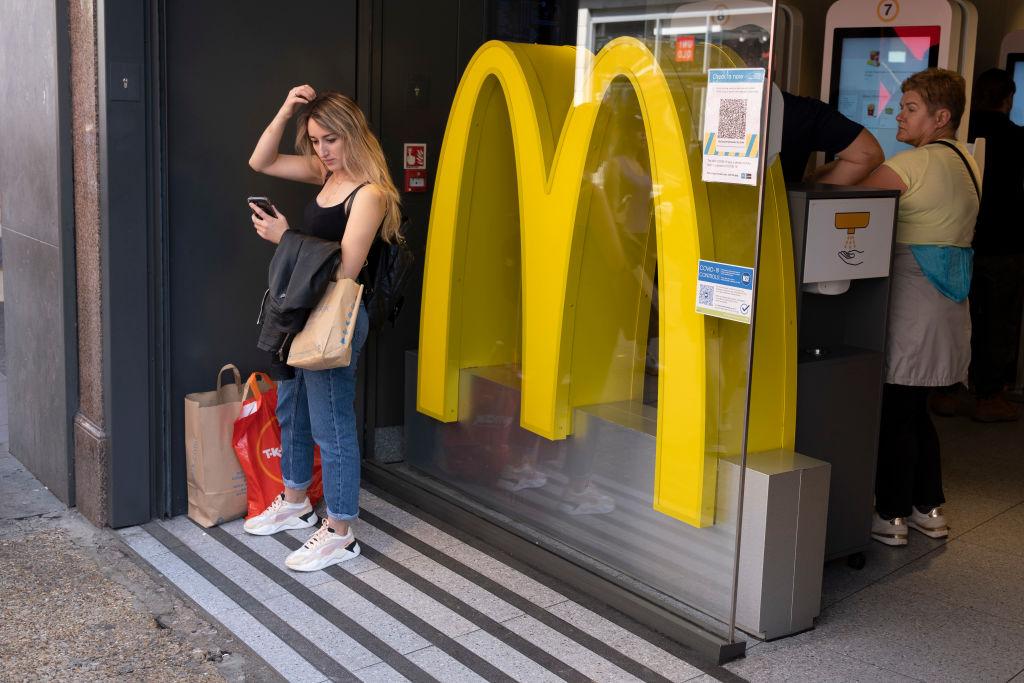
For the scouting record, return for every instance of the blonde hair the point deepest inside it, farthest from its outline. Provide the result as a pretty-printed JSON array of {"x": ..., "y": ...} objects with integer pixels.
[{"x": 363, "y": 159}]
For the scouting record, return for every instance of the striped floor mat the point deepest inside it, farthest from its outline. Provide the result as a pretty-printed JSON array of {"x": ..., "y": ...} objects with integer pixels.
[{"x": 418, "y": 604}]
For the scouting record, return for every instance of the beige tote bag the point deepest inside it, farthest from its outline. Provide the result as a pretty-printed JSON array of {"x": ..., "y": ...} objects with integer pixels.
[
  {"x": 216, "y": 483},
  {"x": 326, "y": 340}
]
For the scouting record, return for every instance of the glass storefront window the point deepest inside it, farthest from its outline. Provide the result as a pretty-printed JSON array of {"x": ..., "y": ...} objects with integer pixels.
[{"x": 564, "y": 378}]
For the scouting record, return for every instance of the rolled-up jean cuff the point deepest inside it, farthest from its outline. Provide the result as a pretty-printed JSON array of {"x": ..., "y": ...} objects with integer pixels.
[
  {"x": 297, "y": 487},
  {"x": 341, "y": 518}
]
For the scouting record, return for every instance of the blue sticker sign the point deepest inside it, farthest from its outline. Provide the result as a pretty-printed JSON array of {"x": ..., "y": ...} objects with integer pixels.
[{"x": 725, "y": 290}]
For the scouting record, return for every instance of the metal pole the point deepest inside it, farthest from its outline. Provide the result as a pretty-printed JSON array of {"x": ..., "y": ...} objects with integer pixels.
[
  {"x": 657, "y": 40},
  {"x": 761, "y": 169},
  {"x": 707, "y": 41}
]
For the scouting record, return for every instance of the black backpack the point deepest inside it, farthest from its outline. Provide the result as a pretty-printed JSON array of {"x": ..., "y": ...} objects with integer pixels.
[{"x": 388, "y": 269}]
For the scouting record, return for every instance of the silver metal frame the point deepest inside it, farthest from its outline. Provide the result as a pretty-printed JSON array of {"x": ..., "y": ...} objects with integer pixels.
[{"x": 761, "y": 168}]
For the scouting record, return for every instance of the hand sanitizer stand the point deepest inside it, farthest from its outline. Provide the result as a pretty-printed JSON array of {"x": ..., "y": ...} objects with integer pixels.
[{"x": 843, "y": 244}]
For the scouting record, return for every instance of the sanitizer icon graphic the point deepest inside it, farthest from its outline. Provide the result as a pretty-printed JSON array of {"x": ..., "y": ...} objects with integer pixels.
[{"x": 851, "y": 222}]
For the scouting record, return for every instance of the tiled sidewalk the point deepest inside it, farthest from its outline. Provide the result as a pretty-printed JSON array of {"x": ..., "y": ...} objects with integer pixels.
[
  {"x": 426, "y": 604},
  {"x": 935, "y": 610},
  {"x": 419, "y": 605}
]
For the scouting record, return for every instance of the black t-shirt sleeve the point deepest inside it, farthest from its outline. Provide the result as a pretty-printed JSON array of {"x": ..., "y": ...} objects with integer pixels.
[
  {"x": 833, "y": 132},
  {"x": 809, "y": 125}
]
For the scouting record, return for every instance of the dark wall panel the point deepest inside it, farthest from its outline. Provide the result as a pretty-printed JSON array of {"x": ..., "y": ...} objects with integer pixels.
[
  {"x": 36, "y": 219},
  {"x": 443, "y": 36},
  {"x": 229, "y": 67},
  {"x": 126, "y": 240}
]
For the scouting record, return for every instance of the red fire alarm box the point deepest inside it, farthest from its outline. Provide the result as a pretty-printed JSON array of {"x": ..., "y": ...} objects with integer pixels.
[{"x": 415, "y": 180}]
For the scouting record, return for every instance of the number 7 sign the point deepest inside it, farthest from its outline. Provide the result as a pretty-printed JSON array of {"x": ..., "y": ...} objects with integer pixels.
[{"x": 888, "y": 10}]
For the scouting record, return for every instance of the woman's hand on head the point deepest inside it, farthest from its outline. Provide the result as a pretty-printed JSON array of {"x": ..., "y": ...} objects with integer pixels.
[
  {"x": 297, "y": 97},
  {"x": 270, "y": 228}
]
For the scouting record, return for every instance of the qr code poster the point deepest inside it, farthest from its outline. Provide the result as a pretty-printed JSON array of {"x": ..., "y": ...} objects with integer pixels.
[
  {"x": 725, "y": 290},
  {"x": 732, "y": 126}
]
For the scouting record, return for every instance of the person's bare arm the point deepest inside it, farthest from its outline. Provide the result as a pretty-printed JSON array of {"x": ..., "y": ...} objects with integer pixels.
[
  {"x": 884, "y": 178},
  {"x": 266, "y": 159},
  {"x": 363, "y": 220},
  {"x": 854, "y": 163}
]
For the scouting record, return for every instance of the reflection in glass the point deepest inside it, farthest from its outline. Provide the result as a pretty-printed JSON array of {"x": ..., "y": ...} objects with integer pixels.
[{"x": 595, "y": 489}]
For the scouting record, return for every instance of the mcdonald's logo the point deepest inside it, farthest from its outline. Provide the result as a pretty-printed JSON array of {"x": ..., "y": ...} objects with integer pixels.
[{"x": 520, "y": 271}]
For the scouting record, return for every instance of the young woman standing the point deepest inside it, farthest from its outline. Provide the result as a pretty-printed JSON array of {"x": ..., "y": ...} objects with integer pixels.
[{"x": 337, "y": 152}]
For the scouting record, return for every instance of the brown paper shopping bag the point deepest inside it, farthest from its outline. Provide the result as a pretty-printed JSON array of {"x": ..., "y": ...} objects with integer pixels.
[
  {"x": 326, "y": 340},
  {"x": 216, "y": 484}
]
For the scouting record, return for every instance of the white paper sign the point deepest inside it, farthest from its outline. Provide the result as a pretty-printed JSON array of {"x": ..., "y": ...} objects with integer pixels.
[
  {"x": 848, "y": 239},
  {"x": 724, "y": 290},
  {"x": 732, "y": 126}
]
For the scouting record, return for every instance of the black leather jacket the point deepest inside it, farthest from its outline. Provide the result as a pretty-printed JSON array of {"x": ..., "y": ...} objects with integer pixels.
[{"x": 298, "y": 275}]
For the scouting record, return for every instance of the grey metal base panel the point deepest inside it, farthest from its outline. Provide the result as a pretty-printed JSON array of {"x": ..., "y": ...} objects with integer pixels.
[
  {"x": 612, "y": 449},
  {"x": 783, "y": 544}
]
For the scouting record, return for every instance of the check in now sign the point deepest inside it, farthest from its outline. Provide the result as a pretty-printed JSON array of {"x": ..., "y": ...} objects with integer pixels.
[{"x": 525, "y": 267}]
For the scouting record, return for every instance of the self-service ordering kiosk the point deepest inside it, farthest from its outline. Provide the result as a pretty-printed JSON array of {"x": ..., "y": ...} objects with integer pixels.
[
  {"x": 744, "y": 27},
  {"x": 1011, "y": 58},
  {"x": 871, "y": 46}
]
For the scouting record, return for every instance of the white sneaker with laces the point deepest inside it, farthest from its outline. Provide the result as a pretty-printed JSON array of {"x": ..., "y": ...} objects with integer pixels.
[
  {"x": 324, "y": 548},
  {"x": 281, "y": 515},
  {"x": 931, "y": 523},
  {"x": 889, "y": 531}
]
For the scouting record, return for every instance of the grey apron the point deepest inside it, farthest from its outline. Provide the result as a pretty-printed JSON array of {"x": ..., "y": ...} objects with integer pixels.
[{"x": 928, "y": 341}]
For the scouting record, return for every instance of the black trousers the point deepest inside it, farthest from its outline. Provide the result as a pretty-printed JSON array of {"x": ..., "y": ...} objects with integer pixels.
[
  {"x": 997, "y": 298},
  {"x": 909, "y": 471}
]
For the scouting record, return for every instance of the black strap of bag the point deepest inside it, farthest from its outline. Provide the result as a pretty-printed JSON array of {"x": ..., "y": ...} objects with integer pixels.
[{"x": 970, "y": 172}]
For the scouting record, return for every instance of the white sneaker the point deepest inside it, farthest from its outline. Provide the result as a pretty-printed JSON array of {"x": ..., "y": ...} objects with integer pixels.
[
  {"x": 324, "y": 548},
  {"x": 931, "y": 523},
  {"x": 281, "y": 515},
  {"x": 589, "y": 501},
  {"x": 519, "y": 478},
  {"x": 889, "y": 531}
]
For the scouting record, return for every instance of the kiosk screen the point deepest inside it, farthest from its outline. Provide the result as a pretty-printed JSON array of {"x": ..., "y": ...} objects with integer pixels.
[
  {"x": 868, "y": 67},
  {"x": 1015, "y": 65}
]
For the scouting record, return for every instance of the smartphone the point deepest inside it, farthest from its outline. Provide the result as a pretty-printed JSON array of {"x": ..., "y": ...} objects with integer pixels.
[{"x": 264, "y": 204}]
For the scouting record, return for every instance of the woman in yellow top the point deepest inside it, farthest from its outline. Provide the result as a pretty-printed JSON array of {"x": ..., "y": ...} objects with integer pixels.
[{"x": 929, "y": 327}]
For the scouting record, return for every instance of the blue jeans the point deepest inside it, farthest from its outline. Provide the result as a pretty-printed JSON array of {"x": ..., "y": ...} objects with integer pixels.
[{"x": 319, "y": 406}]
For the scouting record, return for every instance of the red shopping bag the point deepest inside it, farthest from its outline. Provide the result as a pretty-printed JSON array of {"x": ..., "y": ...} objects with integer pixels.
[{"x": 257, "y": 444}]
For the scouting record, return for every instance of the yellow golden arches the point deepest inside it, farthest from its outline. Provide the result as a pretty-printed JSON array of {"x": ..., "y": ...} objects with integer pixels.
[{"x": 505, "y": 258}]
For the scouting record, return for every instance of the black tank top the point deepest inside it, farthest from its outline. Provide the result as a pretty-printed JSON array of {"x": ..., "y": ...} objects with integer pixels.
[{"x": 328, "y": 223}]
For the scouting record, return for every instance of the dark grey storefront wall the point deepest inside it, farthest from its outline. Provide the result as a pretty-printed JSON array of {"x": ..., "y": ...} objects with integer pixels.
[
  {"x": 183, "y": 271},
  {"x": 37, "y": 223},
  {"x": 402, "y": 61},
  {"x": 443, "y": 36},
  {"x": 228, "y": 70}
]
